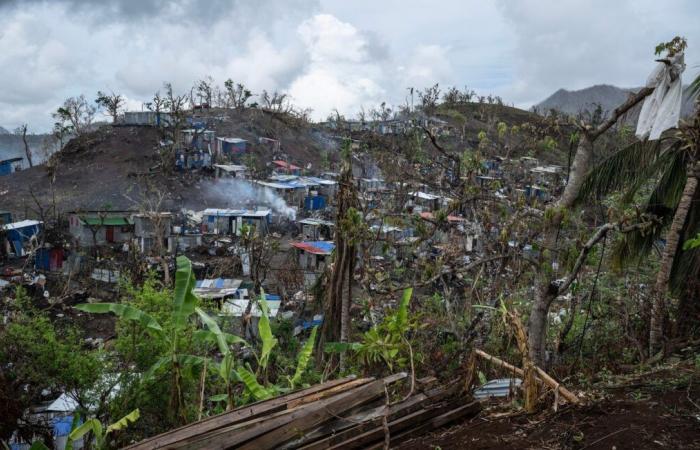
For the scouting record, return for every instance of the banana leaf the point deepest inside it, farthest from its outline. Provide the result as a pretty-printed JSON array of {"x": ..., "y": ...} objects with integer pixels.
[
  {"x": 93, "y": 425},
  {"x": 303, "y": 358},
  {"x": 185, "y": 300},
  {"x": 265, "y": 332},
  {"x": 214, "y": 328},
  {"x": 124, "y": 311},
  {"x": 251, "y": 383},
  {"x": 122, "y": 423}
]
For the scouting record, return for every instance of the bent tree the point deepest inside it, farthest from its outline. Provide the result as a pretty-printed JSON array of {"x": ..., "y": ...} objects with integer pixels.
[{"x": 546, "y": 289}]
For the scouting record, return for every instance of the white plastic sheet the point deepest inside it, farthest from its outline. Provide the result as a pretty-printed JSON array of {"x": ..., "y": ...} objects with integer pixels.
[{"x": 662, "y": 108}]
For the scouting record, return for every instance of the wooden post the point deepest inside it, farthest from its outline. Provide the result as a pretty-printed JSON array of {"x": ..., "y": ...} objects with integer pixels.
[{"x": 542, "y": 376}]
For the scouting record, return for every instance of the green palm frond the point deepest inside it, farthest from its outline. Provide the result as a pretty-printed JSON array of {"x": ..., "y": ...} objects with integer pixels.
[
  {"x": 664, "y": 164},
  {"x": 634, "y": 246},
  {"x": 687, "y": 262},
  {"x": 669, "y": 188},
  {"x": 626, "y": 167},
  {"x": 694, "y": 88}
]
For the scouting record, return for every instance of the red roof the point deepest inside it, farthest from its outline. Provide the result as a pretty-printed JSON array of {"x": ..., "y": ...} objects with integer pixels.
[
  {"x": 286, "y": 165},
  {"x": 450, "y": 218},
  {"x": 315, "y": 247}
]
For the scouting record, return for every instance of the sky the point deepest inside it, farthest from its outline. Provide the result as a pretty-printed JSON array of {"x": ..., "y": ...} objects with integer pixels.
[{"x": 328, "y": 54}]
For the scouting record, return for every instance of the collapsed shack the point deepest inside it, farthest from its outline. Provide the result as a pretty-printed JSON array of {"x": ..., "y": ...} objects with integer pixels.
[{"x": 345, "y": 413}]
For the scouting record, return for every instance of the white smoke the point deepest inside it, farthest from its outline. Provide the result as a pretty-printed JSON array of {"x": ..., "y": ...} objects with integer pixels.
[{"x": 242, "y": 194}]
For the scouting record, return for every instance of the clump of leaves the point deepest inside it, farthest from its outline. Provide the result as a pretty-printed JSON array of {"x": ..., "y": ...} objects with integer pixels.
[{"x": 386, "y": 343}]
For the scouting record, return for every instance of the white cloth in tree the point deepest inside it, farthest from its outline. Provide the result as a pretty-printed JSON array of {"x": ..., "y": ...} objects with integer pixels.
[{"x": 662, "y": 108}]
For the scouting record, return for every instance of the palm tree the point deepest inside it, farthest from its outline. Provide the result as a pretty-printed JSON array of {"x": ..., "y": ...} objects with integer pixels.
[{"x": 666, "y": 174}]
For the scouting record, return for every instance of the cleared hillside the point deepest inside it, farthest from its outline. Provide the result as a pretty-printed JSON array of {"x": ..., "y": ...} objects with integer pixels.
[{"x": 114, "y": 166}]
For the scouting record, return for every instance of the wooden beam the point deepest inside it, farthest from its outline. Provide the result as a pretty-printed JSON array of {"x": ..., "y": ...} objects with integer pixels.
[
  {"x": 470, "y": 409},
  {"x": 244, "y": 413},
  {"x": 312, "y": 415},
  {"x": 341, "y": 430},
  {"x": 542, "y": 376}
]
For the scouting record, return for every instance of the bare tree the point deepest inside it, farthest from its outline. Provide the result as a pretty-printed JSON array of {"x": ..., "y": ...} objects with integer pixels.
[
  {"x": 236, "y": 94},
  {"x": 111, "y": 102},
  {"x": 277, "y": 103},
  {"x": 429, "y": 98},
  {"x": 22, "y": 131},
  {"x": 76, "y": 115},
  {"x": 205, "y": 91},
  {"x": 175, "y": 105}
]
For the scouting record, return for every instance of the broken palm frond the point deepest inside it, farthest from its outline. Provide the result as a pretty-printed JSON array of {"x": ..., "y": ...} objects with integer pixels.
[
  {"x": 347, "y": 413},
  {"x": 542, "y": 376}
]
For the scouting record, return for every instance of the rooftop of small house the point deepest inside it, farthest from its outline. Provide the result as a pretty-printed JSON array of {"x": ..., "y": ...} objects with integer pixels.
[
  {"x": 236, "y": 212},
  {"x": 20, "y": 224},
  {"x": 315, "y": 247}
]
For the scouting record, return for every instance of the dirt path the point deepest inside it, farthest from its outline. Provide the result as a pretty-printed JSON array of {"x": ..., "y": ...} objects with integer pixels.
[{"x": 661, "y": 411}]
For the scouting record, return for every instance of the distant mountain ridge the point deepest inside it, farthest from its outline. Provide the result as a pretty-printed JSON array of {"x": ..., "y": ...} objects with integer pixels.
[
  {"x": 3, "y": 131},
  {"x": 607, "y": 96}
]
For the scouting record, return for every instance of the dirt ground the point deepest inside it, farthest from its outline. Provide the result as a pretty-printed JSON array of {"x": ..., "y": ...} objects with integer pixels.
[{"x": 655, "y": 411}]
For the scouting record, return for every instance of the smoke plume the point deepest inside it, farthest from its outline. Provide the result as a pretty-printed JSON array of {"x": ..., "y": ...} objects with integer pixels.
[{"x": 242, "y": 194}]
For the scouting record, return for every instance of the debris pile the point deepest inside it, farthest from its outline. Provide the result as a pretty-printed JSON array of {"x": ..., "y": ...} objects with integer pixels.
[{"x": 347, "y": 413}]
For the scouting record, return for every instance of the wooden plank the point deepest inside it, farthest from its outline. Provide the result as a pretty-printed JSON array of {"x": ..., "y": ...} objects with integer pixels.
[
  {"x": 377, "y": 434},
  {"x": 312, "y": 415},
  {"x": 344, "y": 430},
  {"x": 396, "y": 411},
  {"x": 327, "y": 393},
  {"x": 247, "y": 429},
  {"x": 470, "y": 409},
  {"x": 239, "y": 414},
  {"x": 239, "y": 434}
]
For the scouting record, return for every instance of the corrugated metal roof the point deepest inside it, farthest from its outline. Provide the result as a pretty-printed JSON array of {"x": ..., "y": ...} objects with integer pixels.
[
  {"x": 286, "y": 165},
  {"x": 21, "y": 224},
  {"x": 316, "y": 222},
  {"x": 500, "y": 387},
  {"x": 315, "y": 247},
  {"x": 232, "y": 140},
  {"x": 236, "y": 212},
  {"x": 231, "y": 167},
  {"x": 109, "y": 221},
  {"x": 428, "y": 215},
  {"x": 216, "y": 288},
  {"x": 279, "y": 185},
  {"x": 236, "y": 307},
  {"x": 424, "y": 195}
]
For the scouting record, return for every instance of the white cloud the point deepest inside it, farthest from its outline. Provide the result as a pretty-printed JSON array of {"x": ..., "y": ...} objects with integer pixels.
[
  {"x": 572, "y": 44},
  {"x": 327, "y": 54},
  {"x": 342, "y": 73}
]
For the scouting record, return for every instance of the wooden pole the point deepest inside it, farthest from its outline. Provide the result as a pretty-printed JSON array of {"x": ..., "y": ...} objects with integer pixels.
[{"x": 543, "y": 376}]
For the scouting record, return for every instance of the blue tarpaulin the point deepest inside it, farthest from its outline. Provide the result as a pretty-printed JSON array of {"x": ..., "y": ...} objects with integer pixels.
[{"x": 312, "y": 203}]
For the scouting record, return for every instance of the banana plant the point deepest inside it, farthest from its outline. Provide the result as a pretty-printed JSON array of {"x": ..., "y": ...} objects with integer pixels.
[
  {"x": 226, "y": 366},
  {"x": 386, "y": 342},
  {"x": 99, "y": 433},
  {"x": 303, "y": 359},
  {"x": 184, "y": 306},
  {"x": 254, "y": 388}
]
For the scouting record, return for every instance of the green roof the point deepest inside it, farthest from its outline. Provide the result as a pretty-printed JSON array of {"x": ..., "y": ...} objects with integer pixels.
[{"x": 109, "y": 221}]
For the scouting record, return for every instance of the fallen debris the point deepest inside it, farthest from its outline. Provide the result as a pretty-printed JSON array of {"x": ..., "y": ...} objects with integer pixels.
[
  {"x": 541, "y": 376},
  {"x": 346, "y": 413}
]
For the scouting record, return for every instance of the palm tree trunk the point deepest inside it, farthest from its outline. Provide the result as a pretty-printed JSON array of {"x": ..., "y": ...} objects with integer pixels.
[{"x": 668, "y": 257}]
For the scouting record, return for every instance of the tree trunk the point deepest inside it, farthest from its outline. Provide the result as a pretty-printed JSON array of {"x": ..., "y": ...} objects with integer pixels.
[
  {"x": 545, "y": 291},
  {"x": 27, "y": 150},
  {"x": 668, "y": 256}
]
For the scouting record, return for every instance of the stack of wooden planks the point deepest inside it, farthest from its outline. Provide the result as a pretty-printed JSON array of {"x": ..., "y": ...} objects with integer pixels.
[{"x": 346, "y": 413}]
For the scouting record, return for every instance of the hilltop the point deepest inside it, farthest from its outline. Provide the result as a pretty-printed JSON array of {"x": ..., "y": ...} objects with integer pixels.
[{"x": 114, "y": 165}]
